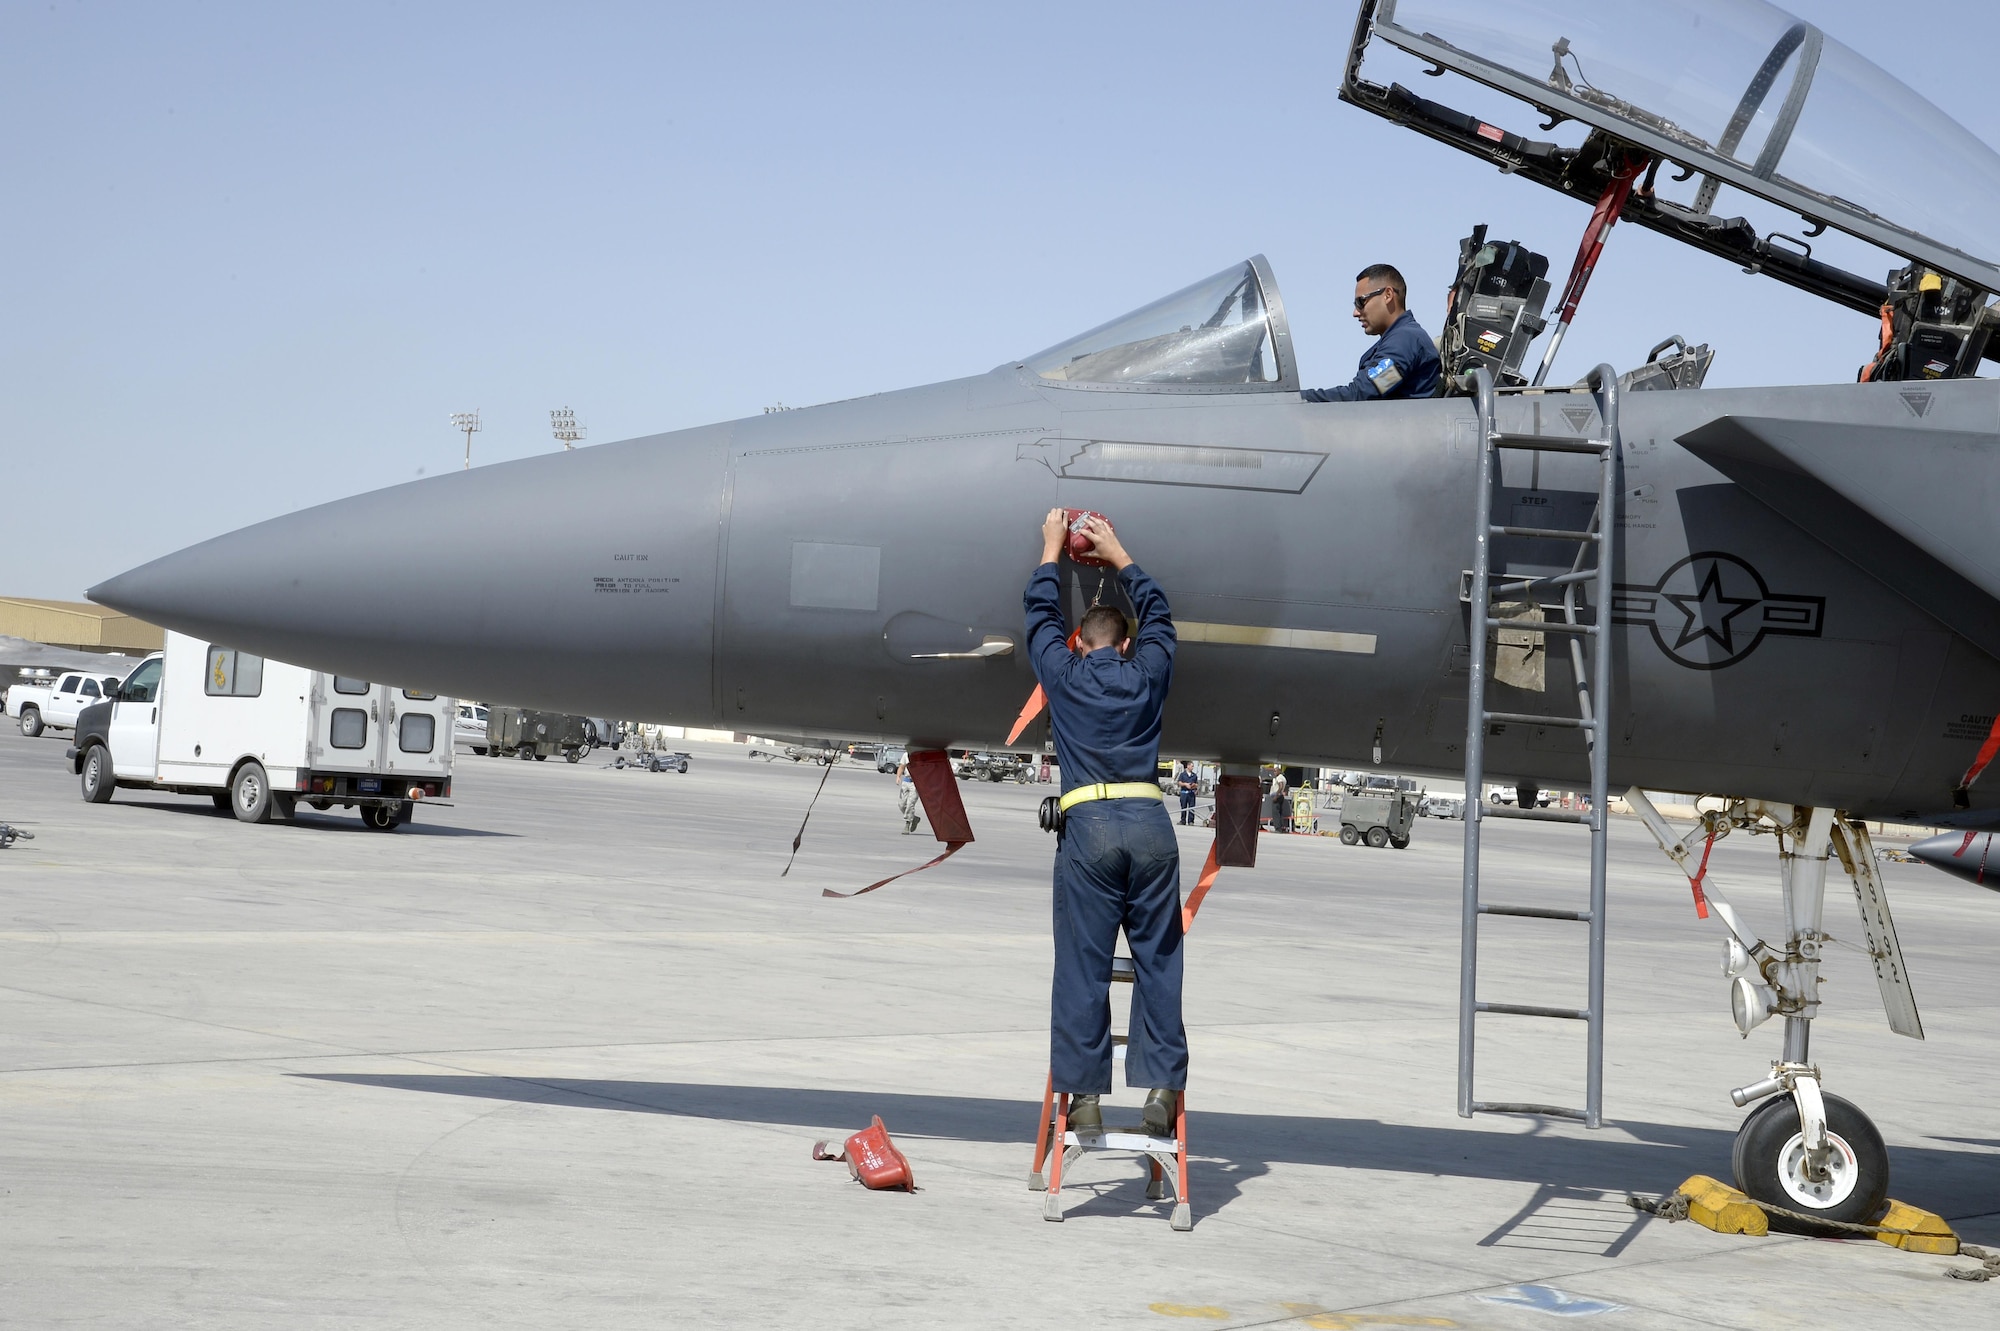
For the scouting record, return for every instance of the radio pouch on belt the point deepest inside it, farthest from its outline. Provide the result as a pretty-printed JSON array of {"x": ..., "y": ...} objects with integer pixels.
[{"x": 1052, "y": 815}]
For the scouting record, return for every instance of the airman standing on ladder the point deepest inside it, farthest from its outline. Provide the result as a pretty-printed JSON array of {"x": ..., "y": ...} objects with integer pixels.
[{"x": 1117, "y": 859}]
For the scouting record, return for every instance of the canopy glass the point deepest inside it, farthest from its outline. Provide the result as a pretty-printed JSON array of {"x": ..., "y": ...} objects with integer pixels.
[
  {"x": 1225, "y": 331},
  {"x": 1747, "y": 93}
]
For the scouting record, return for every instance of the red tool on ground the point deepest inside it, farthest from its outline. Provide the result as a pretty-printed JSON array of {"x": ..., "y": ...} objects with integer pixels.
[{"x": 872, "y": 1159}]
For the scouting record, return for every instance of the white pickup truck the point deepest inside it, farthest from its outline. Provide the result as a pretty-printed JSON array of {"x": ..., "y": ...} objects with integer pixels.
[{"x": 40, "y": 707}]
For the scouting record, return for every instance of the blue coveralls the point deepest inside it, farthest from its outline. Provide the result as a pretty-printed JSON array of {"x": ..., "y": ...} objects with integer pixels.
[
  {"x": 1118, "y": 863},
  {"x": 1402, "y": 363}
]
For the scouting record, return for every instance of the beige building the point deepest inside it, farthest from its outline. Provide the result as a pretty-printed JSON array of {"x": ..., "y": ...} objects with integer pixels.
[{"x": 77, "y": 624}]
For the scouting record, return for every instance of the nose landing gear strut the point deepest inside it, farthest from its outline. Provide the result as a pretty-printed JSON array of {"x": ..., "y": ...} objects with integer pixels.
[{"x": 1802, "y": 1150}]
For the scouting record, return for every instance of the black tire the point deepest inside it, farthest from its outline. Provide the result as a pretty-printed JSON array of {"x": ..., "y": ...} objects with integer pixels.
[
  {"x": 31, "y": 721},
  {"x": 321, "y": 805},
  {"x": 379, "y": 817},
  {"x": 541, "y": 757},
  {"x": 571, "y": 755},
  {"x": 1349, "y": 837},
  {"x": 525, "y": 755},
  {"x": 221, "y": 799},
  {"x": 479, "y": 751},
  {"x": 95, "y": 773},
  {"x": 1377, "y": 837},
  {"x": 683, "y": 766},
  {"x": 1400, "y": 842},
  {"x": 250, "y": 794},
  {"x": 1859, "y": 1165}
]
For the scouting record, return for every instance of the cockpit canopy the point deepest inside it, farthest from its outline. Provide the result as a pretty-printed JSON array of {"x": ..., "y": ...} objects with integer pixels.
[
  {"x": 1226, "y": 332},
  {"x": 1743, "y": 94}
]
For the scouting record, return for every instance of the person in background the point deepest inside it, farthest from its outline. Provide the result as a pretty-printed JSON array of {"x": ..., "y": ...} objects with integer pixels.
[
  {"x": 1189, "y": 785},
  {"x": 906, "y": 796},
  {"x": 1281, "y": 803}
]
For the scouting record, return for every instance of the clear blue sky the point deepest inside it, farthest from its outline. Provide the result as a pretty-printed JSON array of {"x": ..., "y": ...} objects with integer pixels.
[{"x": 255, "y": 254}]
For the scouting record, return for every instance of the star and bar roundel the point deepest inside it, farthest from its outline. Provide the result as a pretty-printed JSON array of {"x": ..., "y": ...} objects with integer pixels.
[{"x": 1711, "y": 610}]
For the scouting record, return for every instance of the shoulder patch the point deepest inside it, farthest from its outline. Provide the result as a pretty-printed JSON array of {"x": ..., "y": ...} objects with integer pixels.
[{"x": 1384, "y": 375}]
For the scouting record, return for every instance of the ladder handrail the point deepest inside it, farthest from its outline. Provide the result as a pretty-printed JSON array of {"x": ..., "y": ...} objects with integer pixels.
[
  {"x": 1475, "y": 738},
  {"x": 1593, "y": 695},
  {"x": 1604, "y": 387}
]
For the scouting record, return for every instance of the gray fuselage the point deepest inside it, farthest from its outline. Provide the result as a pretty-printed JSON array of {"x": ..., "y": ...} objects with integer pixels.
[{"x": 780, "y": 573}]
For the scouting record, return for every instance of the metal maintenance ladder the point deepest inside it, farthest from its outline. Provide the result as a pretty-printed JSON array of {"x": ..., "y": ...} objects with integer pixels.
[{"x": 1591, "y": 569}]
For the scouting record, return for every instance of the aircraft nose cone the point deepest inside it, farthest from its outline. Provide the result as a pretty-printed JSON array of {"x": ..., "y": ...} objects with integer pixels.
[
  {"x": 1965, "y": 855},
  {"x": 580, "y": 581}
]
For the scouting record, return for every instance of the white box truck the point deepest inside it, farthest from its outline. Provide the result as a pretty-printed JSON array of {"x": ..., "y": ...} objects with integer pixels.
[{"x": 258, "y": 736}]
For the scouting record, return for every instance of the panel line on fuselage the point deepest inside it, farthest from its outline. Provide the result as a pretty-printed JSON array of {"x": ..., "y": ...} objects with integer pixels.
[{"x": 1250, "y": 635}]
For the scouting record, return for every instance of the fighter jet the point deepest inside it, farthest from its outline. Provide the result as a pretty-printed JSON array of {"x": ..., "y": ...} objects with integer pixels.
[{"x": 1795, "y": 599}]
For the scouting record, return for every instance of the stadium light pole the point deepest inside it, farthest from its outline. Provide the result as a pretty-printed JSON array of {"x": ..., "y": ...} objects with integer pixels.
[
  {"x": 467, "y": 421},
  {"x": 563, "y": 422}
]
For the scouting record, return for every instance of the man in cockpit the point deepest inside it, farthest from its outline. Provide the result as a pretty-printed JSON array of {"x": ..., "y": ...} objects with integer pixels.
[{"x": 1404, "y": 361}]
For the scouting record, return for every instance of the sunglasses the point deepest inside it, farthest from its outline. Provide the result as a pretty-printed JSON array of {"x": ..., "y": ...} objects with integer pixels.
[{"x": 1361, "y": 302}]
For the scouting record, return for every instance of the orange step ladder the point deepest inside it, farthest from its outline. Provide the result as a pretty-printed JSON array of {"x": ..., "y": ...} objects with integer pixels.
[
  {"x": 1166, "y": 1157},
  {"x": 1057, "y": 1145}
]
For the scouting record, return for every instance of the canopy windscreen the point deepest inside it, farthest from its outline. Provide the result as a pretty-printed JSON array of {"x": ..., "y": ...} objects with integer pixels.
[{"x": 1218, "y": 332}]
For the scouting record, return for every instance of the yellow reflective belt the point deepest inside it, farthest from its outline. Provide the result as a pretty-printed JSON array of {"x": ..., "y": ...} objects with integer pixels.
[{"x": 1111, "y": 790}]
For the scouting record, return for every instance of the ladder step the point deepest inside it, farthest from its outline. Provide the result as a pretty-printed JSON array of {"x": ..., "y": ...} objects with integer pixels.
[
  {"x": 1535, "y": 815},
  {"x": 1536, "y": 913},
  {"x": 1543, "y": 533},
  {"x": 1531, "y": 1010},
  {"x": 1531, "y": 584},
  {"x": 1545, "y": 443},
  {"x": 1542, "y": 626},
  {"x": 1122, "y": 970},
  {"x": 1530, "y": 719},
  {"x": 1546, "y": 1111}
]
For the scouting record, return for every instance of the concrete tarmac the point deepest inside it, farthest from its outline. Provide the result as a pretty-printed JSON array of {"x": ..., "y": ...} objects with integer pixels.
[{"x": 556, "y": 1056}]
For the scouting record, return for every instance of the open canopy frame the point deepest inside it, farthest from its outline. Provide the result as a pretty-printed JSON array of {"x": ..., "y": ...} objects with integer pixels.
[{"x": 1751, "y": 98}]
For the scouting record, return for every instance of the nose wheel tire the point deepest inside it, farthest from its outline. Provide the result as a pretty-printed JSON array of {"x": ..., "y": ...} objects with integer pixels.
[{"x": 1770, "y": 1164}]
